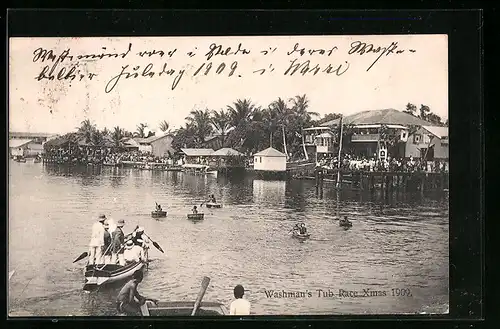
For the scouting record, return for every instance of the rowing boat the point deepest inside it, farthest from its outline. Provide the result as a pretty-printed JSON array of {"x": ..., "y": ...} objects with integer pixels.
[
  {"x": 195, "y": 217},
  {"x": 158, "y": 214},
  {"x": 98, "y": 275},
  {"x": 301, "y": 236},
  {"x": 213, "y": 205},
  {"x": 181, "y": 308}
]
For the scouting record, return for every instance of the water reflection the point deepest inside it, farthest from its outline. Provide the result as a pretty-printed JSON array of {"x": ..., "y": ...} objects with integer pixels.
[{"x": 269, "y": 192}]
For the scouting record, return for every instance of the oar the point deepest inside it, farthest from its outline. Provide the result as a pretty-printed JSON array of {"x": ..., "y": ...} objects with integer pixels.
[
  {"x": 157, "y": 246},
  {"x": 82, "y": 256},
  {"x": 197, "y": 303}
]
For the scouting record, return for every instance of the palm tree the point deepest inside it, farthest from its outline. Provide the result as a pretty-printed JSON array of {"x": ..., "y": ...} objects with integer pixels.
[
  {"x": 86, "y": 129},
  {"x": 141, "y": 129},
  {"x": 105, "y": 132},
  {"x": 164, "y": 126},
  {"x": 97, "y": 138},
  {"x": 302, "y": 119},
  {"x": 117, "y": 136},
  {"x": 284, "y": 115},
  {"x": 241, "y": 113},
  {"x": 221, "y": 121},
  {"x": 199, "y": 121}
]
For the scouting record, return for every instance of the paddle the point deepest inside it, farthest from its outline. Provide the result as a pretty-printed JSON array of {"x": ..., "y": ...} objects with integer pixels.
[
  {"x": 157, "y": 246},
  {"x": 82, "y": 256},
  {"x": 197, "y": 303}
]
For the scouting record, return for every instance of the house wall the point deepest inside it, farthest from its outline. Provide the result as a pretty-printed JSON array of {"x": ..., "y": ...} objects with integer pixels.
[
  {"x": 33, "y": 149},
  {"x": 161, "y": 146},
  {"x": 145, "y": 148},
  {"x": 269, "y": 163},
  {"x": 16, "y": 151},
  {"x": 441, "y": 150}
]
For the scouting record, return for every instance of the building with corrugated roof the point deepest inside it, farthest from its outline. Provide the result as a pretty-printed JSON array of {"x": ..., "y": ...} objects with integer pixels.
[{"x": 270, "y": 160}]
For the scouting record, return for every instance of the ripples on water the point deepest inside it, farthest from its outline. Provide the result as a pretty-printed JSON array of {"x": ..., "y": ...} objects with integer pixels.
[{"x": 403, "y": 244}]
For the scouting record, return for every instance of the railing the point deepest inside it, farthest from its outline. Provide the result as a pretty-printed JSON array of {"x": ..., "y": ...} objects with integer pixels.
[{"x": 365, "y": 138}]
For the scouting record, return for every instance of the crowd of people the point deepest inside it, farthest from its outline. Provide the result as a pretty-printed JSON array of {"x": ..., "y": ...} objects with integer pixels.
[{"x": 354, "y": 163}]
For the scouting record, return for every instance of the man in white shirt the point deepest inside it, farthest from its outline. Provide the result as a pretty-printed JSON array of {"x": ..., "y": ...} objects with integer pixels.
[
  {"x": 133, "y": 253},
  {"x": 97, "y": 241},
  {"x": 239, "y": 306}
]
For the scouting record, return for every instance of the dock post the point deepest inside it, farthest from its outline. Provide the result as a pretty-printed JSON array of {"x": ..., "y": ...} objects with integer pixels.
[
  {"x": 382, "y": 183},
  {"x": 422, "y": 184}
]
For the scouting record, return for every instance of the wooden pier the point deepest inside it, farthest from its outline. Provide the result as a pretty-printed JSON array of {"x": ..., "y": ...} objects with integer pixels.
[{"x": 384, "y": 182}]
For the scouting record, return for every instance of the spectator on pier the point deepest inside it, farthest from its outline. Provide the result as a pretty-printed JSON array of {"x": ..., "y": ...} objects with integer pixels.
[
  {"x": 97, "y": 241},
  {"x": 239, "y": 306}
]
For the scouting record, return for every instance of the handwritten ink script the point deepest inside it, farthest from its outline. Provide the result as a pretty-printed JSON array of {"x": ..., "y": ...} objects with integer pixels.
[{"x": 224, "y": 60}]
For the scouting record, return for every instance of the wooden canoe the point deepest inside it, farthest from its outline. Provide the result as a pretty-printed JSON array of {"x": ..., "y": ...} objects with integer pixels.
[
  {"x": 213, "y": 205},
  {"x": 158, "y": 214},
  {"x": 196, "y": 217},
  {"x": 181, "y": 308},
  {"x": 99, "y": 275}
]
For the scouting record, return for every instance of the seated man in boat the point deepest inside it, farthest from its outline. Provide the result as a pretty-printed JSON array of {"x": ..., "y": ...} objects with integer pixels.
[
  {"x": 195, "y": 210},
  {"x": 239, "y": 306},
  {"x": 345, "y": 221},
  {"x": 302, "y": 228},
  {"x": 158, "y": 207},
  {"x": 106, "y": 248},
  {"x": 137, "y": 235},
  {"x": 296, "y": 228},
  {"x": 133, "y": 253},
  {"x": 212, "y": 199},
  {"x": 129, "y": 300}
]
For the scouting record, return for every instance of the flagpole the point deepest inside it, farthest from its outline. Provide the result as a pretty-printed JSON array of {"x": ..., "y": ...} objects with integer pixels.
[{"x": 340, "y": 151}]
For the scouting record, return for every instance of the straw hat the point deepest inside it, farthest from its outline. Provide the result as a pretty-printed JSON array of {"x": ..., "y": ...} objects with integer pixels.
[
  {"x": 106, "y": 224},
  {"x": 140, "y": 229},
  {"x": 102, "y": 217},
  {"x": 129, "y": 244},
  {"x": 120, "y": 223},
  {"x": 140, "y": 241}
]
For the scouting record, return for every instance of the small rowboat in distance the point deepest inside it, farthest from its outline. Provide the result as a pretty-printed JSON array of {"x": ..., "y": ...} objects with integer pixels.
[
  {"x": 301, "y": 237},
  {"x": 213, "y": 205},
  {"x": 196, "y": 217},
  {"x": 345, "y": 223},
  {"x": 158, "y": 214},
  {"x": 183, "y": 309}
]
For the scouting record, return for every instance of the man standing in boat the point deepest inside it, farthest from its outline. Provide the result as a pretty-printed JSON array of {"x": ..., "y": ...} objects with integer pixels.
[
  {"x": 97, "y": 241},
  {"x": 106, "y": 249},
  {"x": 118, "y": 238},
  {"x": 129, "y": 300}
]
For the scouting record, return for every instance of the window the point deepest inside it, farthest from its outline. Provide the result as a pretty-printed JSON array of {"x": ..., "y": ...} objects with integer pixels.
[
  {"x": 260, "y": 159},
  {"x": 417, "y": 139}
]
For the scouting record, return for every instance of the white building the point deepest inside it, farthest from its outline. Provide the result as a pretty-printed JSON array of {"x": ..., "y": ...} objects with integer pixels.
[{"x": 269, "y": 159}]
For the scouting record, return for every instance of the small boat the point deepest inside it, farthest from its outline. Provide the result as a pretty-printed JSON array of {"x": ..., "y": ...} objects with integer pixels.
[
  {"x": 98, "y": 275},
  {"x": 301, "y": 236},
  {"x": 213, "y": 205},
  {"x": 195, "y": 217},
  {"x": 158, "y": 214},
  {"x": 183, "y": 309},
  {"x": 345, "y": 223}
]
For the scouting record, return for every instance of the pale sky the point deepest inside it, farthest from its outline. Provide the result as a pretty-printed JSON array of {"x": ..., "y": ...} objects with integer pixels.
[{"x": 419, "y": 77}]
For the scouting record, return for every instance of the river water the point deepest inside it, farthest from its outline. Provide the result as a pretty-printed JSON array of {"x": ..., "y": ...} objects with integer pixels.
[{"x": 397, "y": 245}]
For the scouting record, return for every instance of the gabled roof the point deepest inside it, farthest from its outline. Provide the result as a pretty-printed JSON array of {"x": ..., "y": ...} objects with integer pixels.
[
  {"x": 225, "y": 152},
  {"x": 439, "y": 132},
  {"x": 14, "y": 143},
  {"x": 385, "y": 116},
  {"x": 197, "y": 152},
  {"x": 270, "y": 152}
]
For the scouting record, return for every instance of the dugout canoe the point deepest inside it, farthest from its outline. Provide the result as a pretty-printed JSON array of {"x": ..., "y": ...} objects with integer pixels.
[
  {"x": 99, "y": 275},
  {"x": 183, "y": 308}
]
